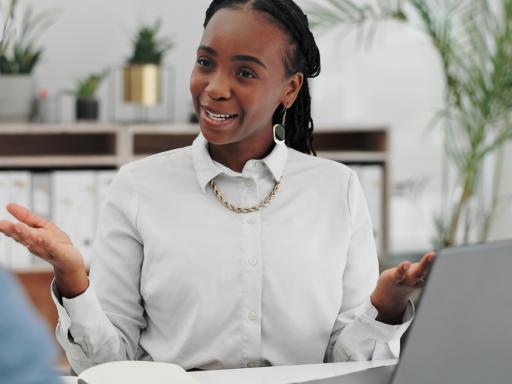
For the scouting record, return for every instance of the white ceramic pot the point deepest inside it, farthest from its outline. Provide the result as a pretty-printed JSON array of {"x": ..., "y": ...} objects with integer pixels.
[{"x": 17, "y": 94}]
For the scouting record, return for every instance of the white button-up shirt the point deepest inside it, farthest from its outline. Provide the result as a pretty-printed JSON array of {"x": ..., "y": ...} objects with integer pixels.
[{"x": 177, "y": 277}]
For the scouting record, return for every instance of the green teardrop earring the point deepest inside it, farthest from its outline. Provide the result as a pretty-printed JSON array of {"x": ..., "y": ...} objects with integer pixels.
[{"x": 280, "y": 131}]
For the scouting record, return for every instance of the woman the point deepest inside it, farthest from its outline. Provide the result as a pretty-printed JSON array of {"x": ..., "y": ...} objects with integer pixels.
[{"x": 239, "y": 250}]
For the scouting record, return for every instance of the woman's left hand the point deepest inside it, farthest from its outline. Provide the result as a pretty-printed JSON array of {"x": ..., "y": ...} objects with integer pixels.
[{"x": 396, "y": 286}]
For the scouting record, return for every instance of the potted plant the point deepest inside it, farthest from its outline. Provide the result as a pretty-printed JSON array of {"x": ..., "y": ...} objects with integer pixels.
[
  {"x": 18, "y": 57},
  {"x": 142, "y": 74},
  {"x": 474, "y": 42},
  {"x": 86, "y": 104}
]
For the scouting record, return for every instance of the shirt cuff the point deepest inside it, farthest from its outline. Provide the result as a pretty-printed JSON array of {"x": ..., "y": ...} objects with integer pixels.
[
  {"x": 381, "y": 331},
  {"x": 64, "y": 319},
  {"x": 77, "y": 316}
]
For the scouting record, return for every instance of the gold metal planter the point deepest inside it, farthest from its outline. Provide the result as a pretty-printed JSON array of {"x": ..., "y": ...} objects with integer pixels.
[{"x": 142, "y": 84}]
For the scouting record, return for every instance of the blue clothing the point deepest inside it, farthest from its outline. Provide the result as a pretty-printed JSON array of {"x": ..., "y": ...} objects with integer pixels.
[{"x": 27, "y": 352}]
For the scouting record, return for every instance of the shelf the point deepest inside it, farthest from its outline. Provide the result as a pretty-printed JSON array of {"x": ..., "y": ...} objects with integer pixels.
[
  {"x": 58, "y": 161},
  {"x": 369, "y": 140},
  {"x": 353, "y": 157},
  {"x": 46, "y": 143},
  {"x": 169, "y": 129},
  {"x": 150, "y": 143},
  {"x": 31, "y": 129},
  {"x": 102, "y": 140}
]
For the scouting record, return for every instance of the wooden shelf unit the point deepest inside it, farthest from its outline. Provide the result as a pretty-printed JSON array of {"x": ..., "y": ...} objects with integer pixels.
[
  {"x": 103, "y": 146},
  {"x": 99, "y": 146}
]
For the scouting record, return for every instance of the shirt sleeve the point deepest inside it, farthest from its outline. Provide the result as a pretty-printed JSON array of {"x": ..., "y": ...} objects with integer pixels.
[
  {"x": 356, "y": 334},
  {"x": 104, "y": 323},
  {"x": 27, "y": 352}
]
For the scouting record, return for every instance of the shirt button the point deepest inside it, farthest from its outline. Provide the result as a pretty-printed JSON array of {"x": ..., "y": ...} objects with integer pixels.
[
  {"x": 252, "y": 315},
  {"x": 253, "y": 261},
  {"x": 251, "y": 221},
  {"x": 258, "y": 165},
  {"x": 248, "y": 182}
]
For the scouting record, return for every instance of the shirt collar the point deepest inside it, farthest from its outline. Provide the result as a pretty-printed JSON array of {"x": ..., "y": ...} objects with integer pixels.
[
  {"x": 206, "y": 170},
  {"x": 276, "y": 160}
]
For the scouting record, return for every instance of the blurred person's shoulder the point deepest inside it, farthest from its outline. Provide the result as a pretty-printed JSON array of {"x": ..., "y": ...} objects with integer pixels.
[{"x": 27, "y": 351}]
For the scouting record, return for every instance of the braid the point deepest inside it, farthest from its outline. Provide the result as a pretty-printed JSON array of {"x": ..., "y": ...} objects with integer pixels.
[{"x": 302, "y": 56}]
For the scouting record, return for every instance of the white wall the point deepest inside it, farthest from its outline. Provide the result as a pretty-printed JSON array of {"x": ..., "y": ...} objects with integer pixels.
[
  {"x": 89, "y": 35},
  {"x": 396, "y": 82}
]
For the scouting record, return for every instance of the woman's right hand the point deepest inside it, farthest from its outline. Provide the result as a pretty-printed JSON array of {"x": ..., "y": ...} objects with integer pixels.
[{"x": 47, "y": 241}]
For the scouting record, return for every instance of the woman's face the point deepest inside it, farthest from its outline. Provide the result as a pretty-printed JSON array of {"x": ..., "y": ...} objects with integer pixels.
[{"x": 239, "y": 78}]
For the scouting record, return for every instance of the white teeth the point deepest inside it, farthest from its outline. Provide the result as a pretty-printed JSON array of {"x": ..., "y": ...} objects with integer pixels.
[{"x": 218, "y": 116}]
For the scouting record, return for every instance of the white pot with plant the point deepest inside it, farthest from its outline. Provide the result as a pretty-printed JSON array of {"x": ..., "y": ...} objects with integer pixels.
[
  {"x": 19, "y": 55},
  {"x": 142, "y": 74}
]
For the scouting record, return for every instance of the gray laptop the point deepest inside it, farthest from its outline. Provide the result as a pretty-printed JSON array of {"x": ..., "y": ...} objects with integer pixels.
[{"x": 462, "y": 333}]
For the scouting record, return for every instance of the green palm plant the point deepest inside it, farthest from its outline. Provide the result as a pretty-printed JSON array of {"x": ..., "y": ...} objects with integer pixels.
[
  {"x": 474, "y": 43},
  {"x": 148, "y": 48},
  {"x": 20, "y": 29}
]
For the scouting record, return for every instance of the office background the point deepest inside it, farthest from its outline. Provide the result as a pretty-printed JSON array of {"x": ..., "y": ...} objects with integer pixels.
[{"x": 396, "y": 81}]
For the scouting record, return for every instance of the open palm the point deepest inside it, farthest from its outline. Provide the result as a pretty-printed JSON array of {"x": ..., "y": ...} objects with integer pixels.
[
  {"x": 396, "y": 286},
  {"x": 43, "y": 238}
]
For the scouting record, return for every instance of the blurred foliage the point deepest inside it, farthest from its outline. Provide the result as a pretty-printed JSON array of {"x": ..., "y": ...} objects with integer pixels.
[
  {"x": 148, "y": 48},
  {"x": 474, "y": 41},
  {"x": 20, "y": 28}
]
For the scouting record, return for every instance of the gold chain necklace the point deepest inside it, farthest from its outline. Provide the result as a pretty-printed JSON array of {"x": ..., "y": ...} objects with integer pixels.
[{"x": 264, "y": 204}]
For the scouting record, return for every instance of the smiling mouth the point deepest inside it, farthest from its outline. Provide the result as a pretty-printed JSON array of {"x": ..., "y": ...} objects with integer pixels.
[{"x": 218, "y": 116}]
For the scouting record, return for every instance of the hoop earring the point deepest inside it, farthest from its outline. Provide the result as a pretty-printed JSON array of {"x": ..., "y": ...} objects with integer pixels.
[{"x": 279, "y": 130}]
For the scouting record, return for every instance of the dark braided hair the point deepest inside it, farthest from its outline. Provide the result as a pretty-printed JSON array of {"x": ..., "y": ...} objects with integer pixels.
[{"x": 302, "y": 56}]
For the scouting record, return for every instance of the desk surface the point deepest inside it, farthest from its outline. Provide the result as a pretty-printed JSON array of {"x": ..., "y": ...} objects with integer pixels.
[{"x": 276, "y": 375}]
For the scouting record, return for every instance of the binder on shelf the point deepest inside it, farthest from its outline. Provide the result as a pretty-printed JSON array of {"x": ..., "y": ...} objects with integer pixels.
[
  {"x": 73, "y": 207},
  {"x": 41, "y": 194},
  {"x": 15, "y": 187},
  {"x": 41, "y": 203}
]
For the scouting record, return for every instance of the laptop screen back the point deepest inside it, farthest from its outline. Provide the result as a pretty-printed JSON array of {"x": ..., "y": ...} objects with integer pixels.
[{"x": 462, "y": 333}]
